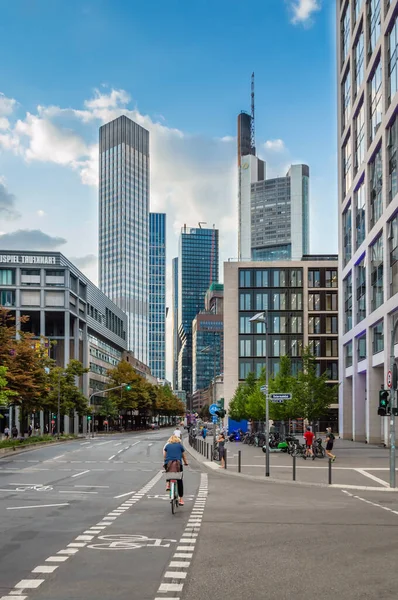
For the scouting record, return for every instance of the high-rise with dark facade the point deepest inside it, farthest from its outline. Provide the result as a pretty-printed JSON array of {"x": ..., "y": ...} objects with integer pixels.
[
  {"x": 175, "y": 321},
  {"x": 157, "y": 294},
  {"x": 367, "y": 64},
  {"x": 197, "y": 270},
  {"x": 124, "y": 225}
]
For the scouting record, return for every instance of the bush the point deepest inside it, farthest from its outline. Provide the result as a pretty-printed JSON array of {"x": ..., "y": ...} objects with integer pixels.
[{"x": 37, "y": 439}]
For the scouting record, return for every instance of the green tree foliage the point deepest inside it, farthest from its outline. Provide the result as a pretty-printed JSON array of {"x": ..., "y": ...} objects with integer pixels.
[
  {"x": 6, "y": 395},
  {"x": 71, "y": 397}
]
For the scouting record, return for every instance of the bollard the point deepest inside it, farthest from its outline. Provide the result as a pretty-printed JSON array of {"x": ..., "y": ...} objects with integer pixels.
[
  {"x": 239, "y": 461},
  {"x": 225, "y": 457},
  {"x": 294, "y": 468},
  {"x": 207, "y": 451},
  {"x": 211, "y": 453},
  {"x": 330, "y": 471}
]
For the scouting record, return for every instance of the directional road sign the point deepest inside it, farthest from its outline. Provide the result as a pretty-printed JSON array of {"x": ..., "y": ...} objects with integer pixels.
[
  {"x": 213, "y": 408},
  {"x": 214, "y": 419},
  {"x": 264, "y": 389}
]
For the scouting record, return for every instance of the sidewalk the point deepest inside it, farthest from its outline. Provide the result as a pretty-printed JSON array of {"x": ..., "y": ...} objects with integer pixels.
[{"x": 357, "y": 466}]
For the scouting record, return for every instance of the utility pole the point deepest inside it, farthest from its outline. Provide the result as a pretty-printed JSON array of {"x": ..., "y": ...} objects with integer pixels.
[
  {"x": 393, "y": 408},
  {"x": 59, "y": 406}
]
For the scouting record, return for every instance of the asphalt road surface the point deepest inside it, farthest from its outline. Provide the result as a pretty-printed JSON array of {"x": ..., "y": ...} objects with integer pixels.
[{"x": 91, "y": 519}]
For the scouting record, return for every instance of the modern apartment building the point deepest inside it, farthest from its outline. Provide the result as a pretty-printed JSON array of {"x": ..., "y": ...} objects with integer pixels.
[
  {"x": 300, "y": 299},
  {"x": 197, "y": 270},
  {"x": 367, "y": 61},
  {"x": 63, "y": 306},
  {"x": 124, "y": 225},
  {"x": 157, "y": 294}
]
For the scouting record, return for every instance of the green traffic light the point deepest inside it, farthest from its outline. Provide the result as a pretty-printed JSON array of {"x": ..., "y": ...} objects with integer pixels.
[{"x": 128, "y": 386}]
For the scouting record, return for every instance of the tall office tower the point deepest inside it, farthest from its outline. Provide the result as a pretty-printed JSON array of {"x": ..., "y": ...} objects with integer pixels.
[
  {"x": 175, "y": 321},
  {"x": 124, "y": 225},
  {"x": 280, "y": 216},
  {"x": 367, "y": 62},
  {"x": 197, "y": 270},
  {"x": 157, "y": 294}
]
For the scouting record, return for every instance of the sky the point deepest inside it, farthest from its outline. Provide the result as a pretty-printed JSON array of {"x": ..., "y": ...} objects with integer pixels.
[{"x": 182, "y": 70}]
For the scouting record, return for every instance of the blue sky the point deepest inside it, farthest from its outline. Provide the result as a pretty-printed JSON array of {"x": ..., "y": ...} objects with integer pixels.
[{"x": 182, "y": 69}]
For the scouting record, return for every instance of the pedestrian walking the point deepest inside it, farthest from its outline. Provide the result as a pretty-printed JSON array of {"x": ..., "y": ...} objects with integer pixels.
[
  {"x": 14, "y": 432},
  {"x": 221, "y": 449},
  {"x": 329, "y": 443},
  {"x": 30, "y": 430},
  {"x": 177, "y": 432},
  {"x": 7, "y": 433},
  {"x": 204, "y": 432},
  {"x": 309, "y": 440}
]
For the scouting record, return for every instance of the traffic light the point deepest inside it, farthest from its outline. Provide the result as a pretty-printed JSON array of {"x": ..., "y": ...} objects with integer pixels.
[
  {"x": 89, "y": 418},
  {"x": 384, "y": 403},
  {"x": 221, "y": 413},
  {"x": 128, "y": 387}
]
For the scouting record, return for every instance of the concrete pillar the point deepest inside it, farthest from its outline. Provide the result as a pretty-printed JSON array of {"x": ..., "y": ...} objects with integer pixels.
[
  {"x": 66, "y": 424},
  {"x": 346, "y": 408},
  {"x": 17, "y": 418},
  {"x": 43, "y": 323},
  {"x": 67, "y": 338},
  {"x": 375, "y": 377},
  {"x": 76, "y": 424},
  {"x": 359, "y": 409},
  {"x": 41, "y": 422}
]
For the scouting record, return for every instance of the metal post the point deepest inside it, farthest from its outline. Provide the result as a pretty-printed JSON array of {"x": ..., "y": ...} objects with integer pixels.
[
  {"x": 294, "y": 468},
  {"x": 392, "y": 405},
  {"x": 59, "y": 406},
  {"x": 239, "y": 461},
  {"x": 266, "y": 399},
  {"x": 225, "y": 457},
  {"x": 330, "y": 471}
]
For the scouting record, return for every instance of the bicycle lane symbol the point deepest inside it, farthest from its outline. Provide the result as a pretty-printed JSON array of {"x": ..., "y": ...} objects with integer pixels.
[
  {"x": 34, "y": 488},
  {"x": 126, "y": 541}
]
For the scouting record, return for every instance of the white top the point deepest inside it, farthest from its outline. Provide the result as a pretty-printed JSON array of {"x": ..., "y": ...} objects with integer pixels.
[{"x": 177, "y": 432}]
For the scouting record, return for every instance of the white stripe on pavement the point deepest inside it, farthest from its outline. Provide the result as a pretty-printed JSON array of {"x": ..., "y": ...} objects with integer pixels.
[
  {"x": 82, "y": 473},
  {"x": 381, "y": 481},
  {"x": 36, "y": 506}
]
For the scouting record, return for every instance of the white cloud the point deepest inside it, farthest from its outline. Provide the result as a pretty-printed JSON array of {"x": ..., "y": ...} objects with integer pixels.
[
  {"x": 275, "y": 145},
  {"x": 7, "y": 203},
  {"x": 30, "y": 239},
  {"x": 114, "y": 99},
  {"x": 4, "y": 123},
  {"x": 7, "y": 105},
  {"x": 302, "y": 10},
  {"x": 41, "y": 213}
]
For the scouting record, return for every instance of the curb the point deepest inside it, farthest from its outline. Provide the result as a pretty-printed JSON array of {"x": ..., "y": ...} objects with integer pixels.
[
  {"x": 214, "y": 467},
  {"x": 10, "y": 452}
]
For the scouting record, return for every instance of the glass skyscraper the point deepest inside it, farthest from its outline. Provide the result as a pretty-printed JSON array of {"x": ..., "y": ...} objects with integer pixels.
[
  {"x": 157, "y": 294},
  {"x": 175, "y": 321},
  {"x": 124, "y": 225},
  {"x": 197, "y": 270}
]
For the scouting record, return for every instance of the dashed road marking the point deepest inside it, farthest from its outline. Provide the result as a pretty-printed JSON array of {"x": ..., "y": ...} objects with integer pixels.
[
  {"x": 81, "y": 473},
  {"x": 394, "y": 512}
]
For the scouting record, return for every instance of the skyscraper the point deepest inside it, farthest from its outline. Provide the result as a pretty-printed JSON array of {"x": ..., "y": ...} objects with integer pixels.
[
  {"x": 175, "y": 321},
  {"x": 157, "y": 294},
  {"x": 273, "y": 213},
  {"x": 367, "y": 61},
  {"x": 197, "y": 270},
  {"x": 124, "y": 224}
]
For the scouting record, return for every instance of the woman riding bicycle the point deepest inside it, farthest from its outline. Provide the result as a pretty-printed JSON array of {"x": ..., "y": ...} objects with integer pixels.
[{"x": 174, "y": 451}]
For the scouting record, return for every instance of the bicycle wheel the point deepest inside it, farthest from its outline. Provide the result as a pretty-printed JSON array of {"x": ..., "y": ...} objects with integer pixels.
[{"x": 172, "y": 496}]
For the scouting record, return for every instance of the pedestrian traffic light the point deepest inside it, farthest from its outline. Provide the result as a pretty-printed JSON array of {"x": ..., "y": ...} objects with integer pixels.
[
  {"x": 384, "y": 403},
  {"x": 128, "y": 387}
]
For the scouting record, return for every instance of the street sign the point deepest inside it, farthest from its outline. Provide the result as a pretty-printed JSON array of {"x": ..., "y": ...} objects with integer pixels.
[
  {"x": 389, "y": 379},
  {"x": 264, "y": 389},
  {"x": 214, "y": 419},
  {"x": 277, "y": 401},
  {"x": 213, "y": 408},
  {"x": 280, "y": 397}
]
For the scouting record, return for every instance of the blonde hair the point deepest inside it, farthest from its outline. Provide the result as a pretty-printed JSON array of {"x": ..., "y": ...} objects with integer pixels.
[{"x": 174, "y": 439}]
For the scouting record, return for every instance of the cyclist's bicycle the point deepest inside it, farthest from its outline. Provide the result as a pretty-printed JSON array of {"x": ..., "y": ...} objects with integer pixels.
[{"x": 172, "y": 479}]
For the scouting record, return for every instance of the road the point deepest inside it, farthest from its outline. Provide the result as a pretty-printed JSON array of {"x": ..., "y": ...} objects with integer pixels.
[
  {"x": 70, "y": 516},
  {"x": 90, "y": 519}
]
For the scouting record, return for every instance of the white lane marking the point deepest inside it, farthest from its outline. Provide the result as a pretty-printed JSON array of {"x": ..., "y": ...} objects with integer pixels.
[
  {"x": 77, "y": 545},
  {"x": 381, "y": 481},
  {"x": 187, "y": 548},
  {"x": 183, "y": 555},
  {"x": 36, "y": 506},
  {"x": 84, "y": 538},
  {"x": 56, "y": 457},
  {"x": 103, "y": 443},
  {"x": 85, "y": 443},
  {"x": 170, "y": 587},
  {"x": 75, "y": 492},
  {"x": 113, "y": 456},
  {"x": 175, "y": 575},
  {"x": 187, "y": 541},
  {"x": 57, "y": 558},
  {"x": 135, "y": 443},
  {"x": 119, "y": 451},
  {"x": 25, "y": 597},
  {"x": 68, "y": 551},
  {"x": 118, "y": 444},
  {"x": 179, "y": 564},
  {"x": 92, "y": 486},
  {"x": 29, "y": 583},
  {"x": 45, "y": 569},
  {"x": 395, "y": 512},
  {"x": 82, "y": 473}
]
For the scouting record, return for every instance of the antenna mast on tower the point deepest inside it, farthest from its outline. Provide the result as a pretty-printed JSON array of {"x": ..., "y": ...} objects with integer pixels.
[{"x": 252, "y": 127}]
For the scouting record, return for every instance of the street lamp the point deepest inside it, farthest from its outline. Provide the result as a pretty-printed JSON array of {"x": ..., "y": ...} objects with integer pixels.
[{"x": 263, "y": 318}]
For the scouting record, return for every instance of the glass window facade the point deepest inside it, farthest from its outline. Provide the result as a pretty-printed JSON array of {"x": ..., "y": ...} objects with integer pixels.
[
  {"x": 378, "y": 337},
  {"x": 374, "y": 23},
  {"x": 157, "y": 295},
  {"x": 360, "y": 215},
  {"x": 361, "y": 290},
  {"x": 345, "y": 33},
  {"x": 392, "y": 143},
  {"x": 359, "y": 62},
  {"x": 347, "y": 166},
  {"x": 361, "y": 348},
  {"x": 357, "y": 9},
  {"x": 376, "y": 251},
  {"x": 347, "y": 288},
  {"x": 376, "y": 188},
  {"x": 346, "y": 99},
  {"x": 376, "y": 101},
  {"x": 347, "y": 233},
  {"x": 393, "y": 251},
  {"x": 360, "y": 145},
  {"x": 7, "y": 276},
  {"x": 393, "y": 59},
  {"x": 348, "y": 354}
]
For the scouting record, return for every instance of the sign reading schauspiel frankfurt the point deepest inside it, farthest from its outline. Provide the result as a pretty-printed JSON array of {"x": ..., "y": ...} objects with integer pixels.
[{"x": 27, "y": 260}]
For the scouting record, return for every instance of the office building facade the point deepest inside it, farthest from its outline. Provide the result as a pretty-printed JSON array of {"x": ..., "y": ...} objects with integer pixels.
[
  {"x": 64, "y": 307},
  {"x": 174, "y": 276},
  {"x": 301, "y": 298},
  {"x": 157, "y": 294},
  {"x": 367, "y": 54},
  {"x": 124, "y": 225},
  {"x": 197, "y": 269}
]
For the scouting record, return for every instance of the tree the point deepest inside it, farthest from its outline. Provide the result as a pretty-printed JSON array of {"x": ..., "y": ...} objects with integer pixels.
[
  {"x": 204, "y": 412},
  {"x": 6, "y": 395},
  {"x": 312, "y": 394},
  {"x": 71, "y": 397},
  {"x": 135, "y": 398}
]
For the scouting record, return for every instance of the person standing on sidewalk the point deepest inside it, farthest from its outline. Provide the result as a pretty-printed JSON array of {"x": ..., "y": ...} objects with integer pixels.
[
  {"x": 329, "y": 443},
  {"x": 309, "y": 440},
  {"x": 204, "y": 432},
  {"x": 221, "y": 449}
]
